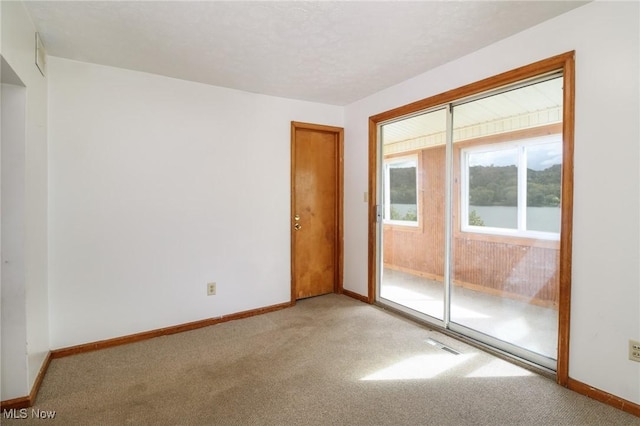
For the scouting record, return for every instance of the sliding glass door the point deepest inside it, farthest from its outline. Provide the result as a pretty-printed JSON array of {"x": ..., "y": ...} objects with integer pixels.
[
  {"x": 471, "y": 198},
  {"x": 413, "y": 231}
]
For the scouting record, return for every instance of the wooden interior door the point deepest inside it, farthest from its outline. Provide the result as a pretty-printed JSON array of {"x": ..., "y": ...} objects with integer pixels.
[{"x": 316, "y": 210}]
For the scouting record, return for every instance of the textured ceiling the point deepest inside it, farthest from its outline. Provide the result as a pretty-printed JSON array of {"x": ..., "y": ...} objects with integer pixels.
[{"x": 329, "y": 52}]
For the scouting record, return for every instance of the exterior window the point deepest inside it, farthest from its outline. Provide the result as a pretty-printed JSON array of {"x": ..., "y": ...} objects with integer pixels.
[
  {"x": 401, "y": 191},
  {"x": 513, "y": 189}
]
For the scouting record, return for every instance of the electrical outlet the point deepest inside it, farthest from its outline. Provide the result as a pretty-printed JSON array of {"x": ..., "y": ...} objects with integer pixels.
[
  {"x": 634, "y": 350},
  {"x": 211, "y": 289}
]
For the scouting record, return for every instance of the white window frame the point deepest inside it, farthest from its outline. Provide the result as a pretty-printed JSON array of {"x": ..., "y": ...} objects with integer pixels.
[
  {"x": 521, "y": 230},
  {"x": 387, "y": 165}
]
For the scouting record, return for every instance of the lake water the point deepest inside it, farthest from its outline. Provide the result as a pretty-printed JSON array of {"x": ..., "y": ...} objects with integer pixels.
[{"x": 546, "y": 219}]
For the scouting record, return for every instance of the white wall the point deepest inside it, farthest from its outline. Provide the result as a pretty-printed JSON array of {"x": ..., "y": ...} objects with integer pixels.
[
  {"x": 158, "y": 186},
  {"x": 18, "y": 51},
  {"x": 605, "y": 283},
  {"x": 13, "y": 312}
]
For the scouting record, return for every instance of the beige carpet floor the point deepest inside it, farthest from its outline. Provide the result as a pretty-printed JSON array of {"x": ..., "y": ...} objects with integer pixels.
[{"x": 329, "y": 360}]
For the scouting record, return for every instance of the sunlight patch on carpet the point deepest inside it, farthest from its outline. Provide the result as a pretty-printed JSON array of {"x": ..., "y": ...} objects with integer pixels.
[
  {"x": 500, "y": 368},
  {"x": 419, "y": 367}
]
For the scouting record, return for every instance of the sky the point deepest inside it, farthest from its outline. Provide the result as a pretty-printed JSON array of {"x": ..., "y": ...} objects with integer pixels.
[{"x": 539, "y": 157}]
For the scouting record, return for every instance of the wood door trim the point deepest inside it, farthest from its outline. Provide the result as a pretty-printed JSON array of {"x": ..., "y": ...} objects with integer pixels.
[
  {"x": 373, "y": 201},
  {"x": 339, "y": 133},
  {"x": 566, "y": 220},
  {"x": 564, "y": 62}
]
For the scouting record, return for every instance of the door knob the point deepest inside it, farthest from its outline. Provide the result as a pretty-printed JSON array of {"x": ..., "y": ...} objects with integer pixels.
[
  {"x": 297, "y": 226},
  {"x": 296, "y": 217}
]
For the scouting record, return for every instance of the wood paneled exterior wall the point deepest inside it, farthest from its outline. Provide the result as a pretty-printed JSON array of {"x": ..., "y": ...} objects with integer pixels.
[
  {"x": 421, "y": 250},
  {"x": 518, "y": 268}
]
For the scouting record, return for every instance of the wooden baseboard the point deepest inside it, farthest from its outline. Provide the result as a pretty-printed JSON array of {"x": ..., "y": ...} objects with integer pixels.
[
  {"x": 117, "y": 341},
  {"x": 40, "y": 378},
  {"x": 28, "y": 401},
  {"x": 356, "y": 296},
  {"x": 602, "y": 396},
  {"x": 16, "y": 403}
]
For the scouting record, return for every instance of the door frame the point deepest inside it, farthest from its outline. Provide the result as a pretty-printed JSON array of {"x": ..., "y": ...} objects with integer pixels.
[
  {"x": 339, "y": 134},
  {"x": 564, "y": 62}
]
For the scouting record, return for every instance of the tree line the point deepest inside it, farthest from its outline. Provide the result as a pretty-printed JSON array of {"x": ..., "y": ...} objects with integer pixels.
[
  {"x": 489, "y": 186},
  {"x": 498, "y": 186}
]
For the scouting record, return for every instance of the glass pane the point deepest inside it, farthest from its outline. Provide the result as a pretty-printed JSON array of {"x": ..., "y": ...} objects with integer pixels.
[
  {"x": 412, "y": 275},
  {"x": 493, "y": 188},
  {"x": 504, "y": 282},
  {"x": 403, "y": 191},
  {"x": 544, "y": 168}
]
